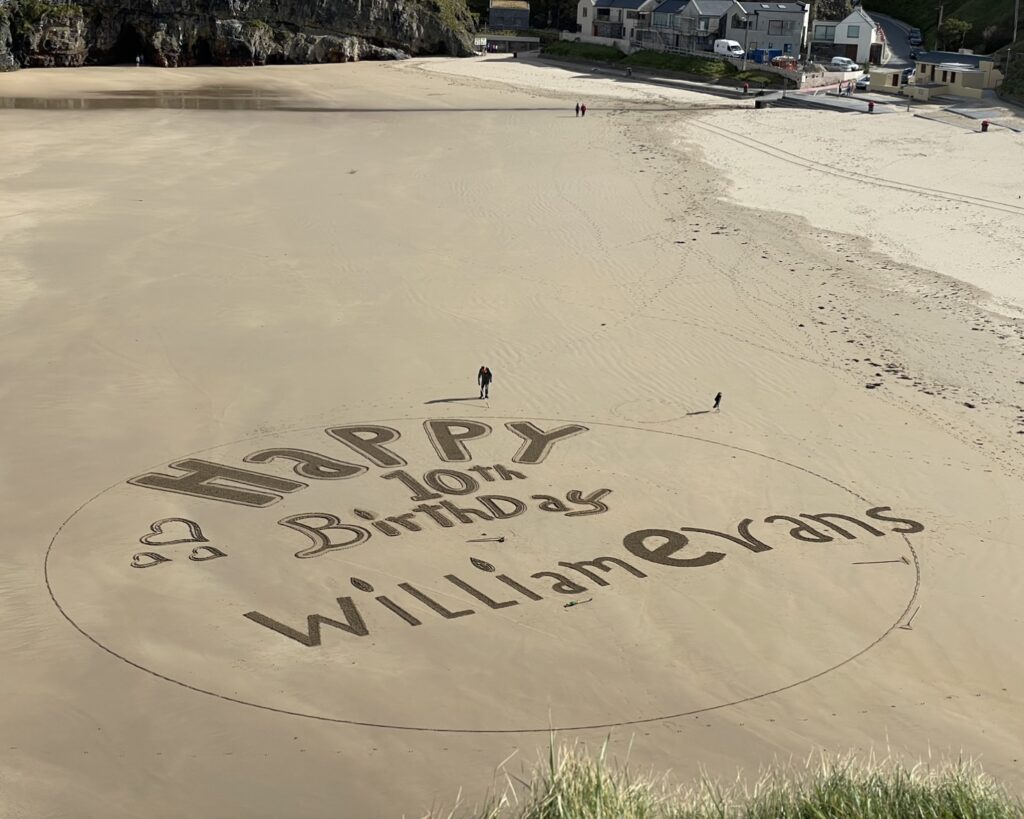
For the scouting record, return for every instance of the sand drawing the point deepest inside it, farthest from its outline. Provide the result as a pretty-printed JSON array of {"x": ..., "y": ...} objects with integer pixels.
[{"x": 365, "y": 553}]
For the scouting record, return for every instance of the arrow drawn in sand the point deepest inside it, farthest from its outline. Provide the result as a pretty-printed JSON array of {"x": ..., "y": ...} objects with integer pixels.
[
  {"x": 488, "y": 540},
  {"x": 876, "y": 562},
  {"x": 906, "y": 626}
]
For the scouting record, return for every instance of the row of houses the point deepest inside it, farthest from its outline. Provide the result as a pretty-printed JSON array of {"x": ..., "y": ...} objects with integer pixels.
[{"x": 693, "y": 25}]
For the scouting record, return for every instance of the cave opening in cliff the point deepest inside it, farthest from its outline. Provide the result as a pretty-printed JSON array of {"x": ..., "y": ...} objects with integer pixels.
[{"x": 129, "y": 45}]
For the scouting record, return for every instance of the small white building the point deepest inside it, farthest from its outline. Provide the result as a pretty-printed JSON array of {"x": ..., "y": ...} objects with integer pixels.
[
  {"x": 860, "y": 33},
  {"x": 857, "y": 36}
]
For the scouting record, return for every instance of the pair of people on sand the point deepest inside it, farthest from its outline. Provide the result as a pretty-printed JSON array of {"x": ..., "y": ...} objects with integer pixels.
[{"x": 581, "y": 109}]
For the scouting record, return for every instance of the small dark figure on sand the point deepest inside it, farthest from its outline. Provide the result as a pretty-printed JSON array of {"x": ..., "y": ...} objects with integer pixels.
[
  {"x": 577, "y": 109},
  {"x": 718, "y": 401},
  {"x": 583, "y": 110},
  {"x": 483, "y": 378}
]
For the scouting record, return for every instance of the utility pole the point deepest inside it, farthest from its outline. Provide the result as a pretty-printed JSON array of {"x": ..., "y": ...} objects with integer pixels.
[
  {"x": 746, "y": 40},
  {"x": 938, "y": 28},
  {"x": 1016, "y": 21},
  {"x": 813, "y": 5}
]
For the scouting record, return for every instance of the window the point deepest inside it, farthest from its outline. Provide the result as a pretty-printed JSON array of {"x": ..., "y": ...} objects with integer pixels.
[
  {"x": 822, "y": 32},
  {"x": 584, "y": 11},
  {"x": 632, "y": 15},
  {"x": 788, "y": 25},
  {"x": 952, "y": 76},
  {"x": 774, "y": 27},
  {"x": 943, "y": 76},
  {"x": 702, "y": 23},
  {"x": 740, "y": 22},
  {"x": 853, "y": 32}
]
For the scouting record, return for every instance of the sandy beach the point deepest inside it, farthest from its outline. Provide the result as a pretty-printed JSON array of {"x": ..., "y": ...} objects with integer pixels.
[{"x": 268, "y": 552}]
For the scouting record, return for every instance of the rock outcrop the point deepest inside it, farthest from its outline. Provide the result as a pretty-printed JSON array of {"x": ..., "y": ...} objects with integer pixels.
[{"x": 228, "y": 32}]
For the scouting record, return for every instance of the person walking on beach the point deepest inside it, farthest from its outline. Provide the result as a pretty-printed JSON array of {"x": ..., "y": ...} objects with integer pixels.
[
  {"x": 483, "y": 378},
  {"x": 583, "y": 110},
  {"x": 577, "y": 109},
  {"x": 718, "y": 402}
]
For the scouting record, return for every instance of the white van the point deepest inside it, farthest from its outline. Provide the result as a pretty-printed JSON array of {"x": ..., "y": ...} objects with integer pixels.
[
  {"x": 728, "y": 47},
  {"x": 843, "y": 64}
]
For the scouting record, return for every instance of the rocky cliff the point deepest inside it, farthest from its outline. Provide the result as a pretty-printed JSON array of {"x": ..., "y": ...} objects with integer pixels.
[{"x": 228, "y": 32}]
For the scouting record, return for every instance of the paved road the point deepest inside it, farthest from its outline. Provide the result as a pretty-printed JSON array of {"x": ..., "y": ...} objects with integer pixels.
[{"x": 896, "y": 35}]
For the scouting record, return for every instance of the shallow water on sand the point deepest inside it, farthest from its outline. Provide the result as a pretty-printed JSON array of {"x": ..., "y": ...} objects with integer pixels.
[{"x": 223, "y": 98}]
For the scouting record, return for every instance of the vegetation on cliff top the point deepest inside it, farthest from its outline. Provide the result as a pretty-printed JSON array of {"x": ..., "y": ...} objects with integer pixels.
[
  {"x": 575, "y": 784},
  {"x": 991, "y": 21},
  {"x": 27, "y": 15}
]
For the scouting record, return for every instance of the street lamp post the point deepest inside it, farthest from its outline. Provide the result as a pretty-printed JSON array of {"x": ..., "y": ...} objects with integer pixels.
[
  {"x": 746, "y": 36},
  {"x": 746, "y": 39}
]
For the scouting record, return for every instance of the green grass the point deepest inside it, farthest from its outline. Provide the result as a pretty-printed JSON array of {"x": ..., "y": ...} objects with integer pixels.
[
  {"x": 572, "y": 783},
  {"x": 584, "y": 51},
  {"x": 708, "y": 68},
  {"x": 699, "y": 66}
]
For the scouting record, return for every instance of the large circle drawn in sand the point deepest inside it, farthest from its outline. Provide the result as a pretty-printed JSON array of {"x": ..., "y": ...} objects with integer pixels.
[{"x": 521, "y": 597}]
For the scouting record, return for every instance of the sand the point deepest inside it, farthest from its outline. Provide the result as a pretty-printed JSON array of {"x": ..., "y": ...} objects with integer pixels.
[{"x": 263, "y": 269}]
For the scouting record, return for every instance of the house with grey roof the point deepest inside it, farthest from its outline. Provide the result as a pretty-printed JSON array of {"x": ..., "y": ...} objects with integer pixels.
[
  {"x": 663, "y": 29},
  {"x": 702, "y": 22},
  {"x": 508, "y": 15},
  {"x": 611, "y": 22},
  {"x": 774, "y": 28}
]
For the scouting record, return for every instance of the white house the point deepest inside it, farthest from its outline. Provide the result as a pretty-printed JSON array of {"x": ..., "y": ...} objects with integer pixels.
[
  {"x": 863, "y": 33},
  {"x": 857, "y": 36},
  {"x": 611, "y": 22}
]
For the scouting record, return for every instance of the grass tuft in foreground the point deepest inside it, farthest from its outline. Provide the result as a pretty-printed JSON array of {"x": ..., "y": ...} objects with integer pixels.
[{"x": 573, "y": 783}]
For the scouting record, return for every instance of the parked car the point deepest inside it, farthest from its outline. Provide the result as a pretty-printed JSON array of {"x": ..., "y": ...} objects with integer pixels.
[
  {"x": 863, "y": 82},
  {"x": 907, "y": 75},
  {"x": 843, "y": 64},
  {"x": 914, "y": 37},
  {"x": 914, "y": 52},
  {"x": 730, "y": 48}
]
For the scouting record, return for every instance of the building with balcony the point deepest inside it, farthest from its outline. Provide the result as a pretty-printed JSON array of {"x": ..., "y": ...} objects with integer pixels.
[
  {"x": 769, "y": 28},
  {"x": 701, "y": 22},
  {"x": 663, "y": 31},
  {"x": 612, "y": 22}
]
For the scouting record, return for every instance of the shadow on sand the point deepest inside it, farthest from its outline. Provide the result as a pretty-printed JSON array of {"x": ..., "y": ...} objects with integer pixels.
[{"x": 448, "y": 400}]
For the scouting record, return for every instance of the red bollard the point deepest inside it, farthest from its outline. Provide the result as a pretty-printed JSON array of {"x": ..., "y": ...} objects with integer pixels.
[{"x": 984, "y": 126}]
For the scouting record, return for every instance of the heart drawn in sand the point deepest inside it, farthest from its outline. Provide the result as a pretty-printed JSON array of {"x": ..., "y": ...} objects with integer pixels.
[{"x": 162, "y": 532}]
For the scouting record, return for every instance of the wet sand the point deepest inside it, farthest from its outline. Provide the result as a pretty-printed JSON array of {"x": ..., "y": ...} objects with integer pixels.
[{"x": 185, "y": 283}]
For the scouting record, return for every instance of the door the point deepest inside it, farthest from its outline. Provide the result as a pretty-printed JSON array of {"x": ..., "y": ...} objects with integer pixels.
[{"x": 875, "y": 57}]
